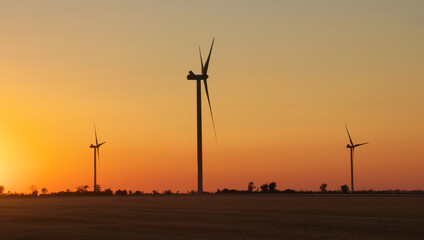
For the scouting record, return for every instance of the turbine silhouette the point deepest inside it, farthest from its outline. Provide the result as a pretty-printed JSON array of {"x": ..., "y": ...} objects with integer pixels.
[
  {"x": 352, "y": 149},
  {"x": 96, "y": 151},
  {"x": 199, "y": 77}
]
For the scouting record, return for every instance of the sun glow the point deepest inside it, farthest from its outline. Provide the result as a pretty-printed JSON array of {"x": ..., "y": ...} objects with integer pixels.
[{"x": 7, "y": 157}]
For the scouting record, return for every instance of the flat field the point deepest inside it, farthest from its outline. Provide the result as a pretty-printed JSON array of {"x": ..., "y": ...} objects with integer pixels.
[{"x": 215, "y": 217}]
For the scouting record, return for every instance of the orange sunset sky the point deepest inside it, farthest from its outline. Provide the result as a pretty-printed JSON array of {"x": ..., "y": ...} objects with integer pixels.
[{"x": 285, "y": 76}]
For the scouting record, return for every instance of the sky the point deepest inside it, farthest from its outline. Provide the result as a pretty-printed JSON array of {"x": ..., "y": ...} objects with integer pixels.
[{"x": 285, "y": 77}]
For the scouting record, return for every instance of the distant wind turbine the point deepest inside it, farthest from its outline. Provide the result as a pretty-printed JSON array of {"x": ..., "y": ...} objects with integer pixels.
[
  {"x": 352, "y": 149},
  {"x": 198, "y": 79},
  {"x": 96, "y": 149}
]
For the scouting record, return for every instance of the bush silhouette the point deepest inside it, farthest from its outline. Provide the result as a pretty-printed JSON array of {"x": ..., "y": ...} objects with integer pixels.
[
  {"x": 34, "y": 190},
  {"x": 82, "y": 188},
  {"x": 323, "y": 187},
  {"x": 345, "y": 188},
  {"x": 121, "y": 192},
  {"x": 250, "y": 187},
  {"x": 272, "y": 187},
  {"x": 264, "y": 188},
  {"x": 108, "y": 191}
]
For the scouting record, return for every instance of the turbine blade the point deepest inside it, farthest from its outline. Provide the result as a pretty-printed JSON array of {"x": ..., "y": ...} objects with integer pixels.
[
  {"x": 210, "y": 107},
  {"x": 361, "y": 144},
  {"x": 209, "y": 57},
  {"x": 350, "y": 139},
  {"x": 95, "y": 133},
  {"x": 101, "y": 144},
  {"x": 201, "y": 60}
]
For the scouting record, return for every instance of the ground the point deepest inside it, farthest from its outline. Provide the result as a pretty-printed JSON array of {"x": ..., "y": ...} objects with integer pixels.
[{"x": 215, "y": 217}]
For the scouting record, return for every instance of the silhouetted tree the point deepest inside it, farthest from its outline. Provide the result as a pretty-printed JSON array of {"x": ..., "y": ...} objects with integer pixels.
[
  {"x": 323, "y": 187},
  {"x": 108, "y": 191},
  {"x": 1, "y": 190},
  {"x": 121, "y": 192},
  {"x": 33, "y": 190},
  {"x": 97, "y": 188},
  {"x": 167, "y": 192},
  {"x": 82, "y": 188},
  {"x": 272, "y": 187},
  {"x": 44, "y": 191},
  {"x": 289, "y": 191},
  {"x": 264, "y": 188},
  {"x": 250, "y": 187},
  {"x": 344, "y": 188},
  {"x": 154, "y": 192},
  {"x": 227, "y": 191}
]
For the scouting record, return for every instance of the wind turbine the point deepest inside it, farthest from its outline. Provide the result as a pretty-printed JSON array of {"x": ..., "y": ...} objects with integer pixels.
[
  {"x": 199, "y": 77},
  {"x": 352, "y": 149},
  {"x": 96, "y": 149}
]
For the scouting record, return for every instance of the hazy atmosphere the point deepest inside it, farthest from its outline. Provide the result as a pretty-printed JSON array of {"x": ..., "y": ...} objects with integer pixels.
[{"x": 285, "y": 77}]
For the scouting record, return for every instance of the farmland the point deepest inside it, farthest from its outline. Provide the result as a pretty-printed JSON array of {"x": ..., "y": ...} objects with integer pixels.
[{"x": 214, "y": 217}]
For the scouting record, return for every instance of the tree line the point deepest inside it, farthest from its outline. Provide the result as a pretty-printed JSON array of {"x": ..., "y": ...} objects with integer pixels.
[
  {"x": 271, "y": 188},
  {"x": 266, "y": 188}
]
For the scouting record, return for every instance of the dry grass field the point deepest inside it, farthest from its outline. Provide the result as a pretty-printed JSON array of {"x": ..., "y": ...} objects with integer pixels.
[{"x": 215, "y": 217}]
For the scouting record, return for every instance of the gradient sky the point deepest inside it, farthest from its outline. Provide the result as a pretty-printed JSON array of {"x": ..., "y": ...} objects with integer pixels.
[{"x": 285, "y": 76}]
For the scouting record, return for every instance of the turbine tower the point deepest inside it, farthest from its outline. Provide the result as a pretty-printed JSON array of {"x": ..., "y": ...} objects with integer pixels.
[
  {"x": 96, "y": 151},
  {"x": 199, "y": 78},
  {"x": 352, "y": 149}
]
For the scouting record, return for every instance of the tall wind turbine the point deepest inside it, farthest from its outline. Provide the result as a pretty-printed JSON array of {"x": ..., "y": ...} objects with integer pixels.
[
  {"x": 199, "y": 78},
  {"x": 96, "y": 151},
  {"x": 352, "y": 149}
]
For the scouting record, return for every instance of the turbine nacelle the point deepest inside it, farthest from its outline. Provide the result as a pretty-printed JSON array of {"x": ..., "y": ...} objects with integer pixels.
[
  {"x": 97, "y": 146},
  {"x": 193, "y": 76},
  {"x": 349, "y": 146}
]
